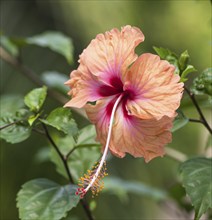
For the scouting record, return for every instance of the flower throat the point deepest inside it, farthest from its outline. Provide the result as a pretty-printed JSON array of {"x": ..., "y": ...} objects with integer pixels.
[{"x": 93, "y": 178}]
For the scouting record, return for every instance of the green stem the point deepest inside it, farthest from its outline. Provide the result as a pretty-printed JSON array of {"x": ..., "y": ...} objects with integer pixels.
[
  {"x": 202, "y": 117},
  {"x": 65, "y": 163},
  {"x": 10, "y": 124},
  {"x": 195, "y": 120},
  {"x": 58, "y": 152}
]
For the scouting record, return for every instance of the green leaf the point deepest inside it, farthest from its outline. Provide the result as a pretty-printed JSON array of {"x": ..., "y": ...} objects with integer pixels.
[
  {"x": 61, "y": 119},
  {"x": 87, "y": 135},
  {"x": 55, "y": 41},
  {"x": 162, "y": 52},
  {"x": 55, "y": 80},
  {"x": 35, "y": 98},
  {"x": 33, "y": 118},
  {"x": 180, "y": 121},
  {"x": 44, "y": 199},
  {"x": 121, "y": 188},
  {"x": 189, "y": 69},
  {"x": 183, "y": 60},
  {"x": 82, "y": 158},
  {"x": 18, "y": 130},
  {"x": 9, "y": 45},
  {"x": 196, "y": 179},
  {"x": 168, "y": 55},
  {"x": 203, "y": 83},
  {"x": 181, "y": 63}
]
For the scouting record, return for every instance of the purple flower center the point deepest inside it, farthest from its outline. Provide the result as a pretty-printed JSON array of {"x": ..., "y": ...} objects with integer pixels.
[{"x": 116, "y": 88}]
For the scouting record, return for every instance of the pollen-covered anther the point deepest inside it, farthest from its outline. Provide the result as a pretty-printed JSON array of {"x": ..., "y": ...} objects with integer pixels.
[
  {"x": 97, "y": 186},
  {"x": 80, "y": 192}
]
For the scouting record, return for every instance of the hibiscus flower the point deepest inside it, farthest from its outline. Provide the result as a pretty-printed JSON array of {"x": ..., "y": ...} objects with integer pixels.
[{"x": 131, "y": 100}]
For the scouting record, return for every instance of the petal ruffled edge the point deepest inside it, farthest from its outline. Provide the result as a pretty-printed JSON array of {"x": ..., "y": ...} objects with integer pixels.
[
  {"x": 110, "y": 54},
  {"x": 83, "y": 87}
]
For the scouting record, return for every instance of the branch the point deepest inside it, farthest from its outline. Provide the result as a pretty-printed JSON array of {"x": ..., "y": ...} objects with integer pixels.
[
  {"x": 58, "y": 152},
  {"x": 82, "y": 201},
  {"x": 32, "y": 76},
  {"x": 195, "y": 120},
  {"x": 10, "y": 124},
  {"x": 202, "y": 117}
]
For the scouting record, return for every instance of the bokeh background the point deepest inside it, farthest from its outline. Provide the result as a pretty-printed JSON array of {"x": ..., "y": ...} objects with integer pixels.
[{"x": 177, "y": 25}]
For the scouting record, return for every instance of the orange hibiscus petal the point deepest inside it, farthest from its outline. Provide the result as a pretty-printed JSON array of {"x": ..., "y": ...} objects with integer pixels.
[
  {"x": 111, "y": 53},
  {"x": 100, "y": 114},
  {"x": 84, "y": 88},
  {"x": 157, "y": 91},
  {"x": 102, "y": 63},
  {"x": 140, "y": 138}
]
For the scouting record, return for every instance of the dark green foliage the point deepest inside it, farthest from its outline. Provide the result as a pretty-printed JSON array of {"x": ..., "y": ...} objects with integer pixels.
[
  {"x": 14, "y": 127},
  {"x": 180, "y": 62},
  {"x": 35, "y": 99},
  {"x": 55, "y": 41},
  {"x": 61, "y": 119},
  {"x": 45, "y": 199},
  {"x": 196, "y": 177},
  {"x": 203, "y": 83}
]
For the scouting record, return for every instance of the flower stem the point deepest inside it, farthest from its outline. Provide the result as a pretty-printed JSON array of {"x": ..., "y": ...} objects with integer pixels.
[
  {"x": 202, "y": 117},
  {"x": 65, "y": 163}
]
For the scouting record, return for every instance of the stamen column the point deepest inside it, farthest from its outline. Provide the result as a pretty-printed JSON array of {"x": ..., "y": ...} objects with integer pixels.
[{"x": 83, "y": 191}]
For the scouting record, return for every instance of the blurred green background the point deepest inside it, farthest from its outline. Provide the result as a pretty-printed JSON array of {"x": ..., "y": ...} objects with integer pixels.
[{"x": 177, "y": 25}]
